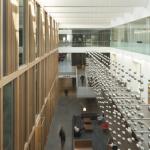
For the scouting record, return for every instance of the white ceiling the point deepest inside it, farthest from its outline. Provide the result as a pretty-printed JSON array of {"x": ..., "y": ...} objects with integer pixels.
[{"x": 93, "y": 13}]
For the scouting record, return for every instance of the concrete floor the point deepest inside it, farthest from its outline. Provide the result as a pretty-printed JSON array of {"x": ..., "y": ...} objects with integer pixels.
[{"x": 66, "y": 108}]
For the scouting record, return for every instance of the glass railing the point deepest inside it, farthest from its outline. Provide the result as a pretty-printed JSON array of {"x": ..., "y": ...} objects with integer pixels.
[
  {"x": 85, "y": 44},
  {"x": 142, "y": 48},
  {"x": 132, "y": 47}
]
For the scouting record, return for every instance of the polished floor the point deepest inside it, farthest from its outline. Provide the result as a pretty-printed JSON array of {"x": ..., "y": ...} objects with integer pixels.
[{"x": 67, "y": 107}]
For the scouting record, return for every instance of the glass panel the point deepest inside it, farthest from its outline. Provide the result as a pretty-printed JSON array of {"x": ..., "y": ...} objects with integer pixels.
[
  {"x": 8, "y": 118},
  {"x": 84, "y": 38},
  {"x": 133, "y": 36},
  {"x": 21, "y": 33}
]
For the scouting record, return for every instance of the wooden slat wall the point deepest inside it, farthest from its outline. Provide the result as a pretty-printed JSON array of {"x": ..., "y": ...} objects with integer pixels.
[
  {"x": 47, "y": 33},
  {"x": 32, "y": 30},
  {"x": 22, "y": 111},
  {"x": 1, "y": 52},
  {"x": 43, "y": 31},
  {"x": 35, "y": 83},
  {"x": 1, "y": 119},
  {"x": 50, "y": 22},
  {"x": 17, "y": 114},
  {"x": 12, "y": 42}
]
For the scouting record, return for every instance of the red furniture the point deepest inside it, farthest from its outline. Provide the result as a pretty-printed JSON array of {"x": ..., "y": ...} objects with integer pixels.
[{"x": 105, "y": 126}]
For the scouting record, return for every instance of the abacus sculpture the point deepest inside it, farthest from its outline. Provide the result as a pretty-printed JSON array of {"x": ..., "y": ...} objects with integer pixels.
[{"x": 124, "y": 107}]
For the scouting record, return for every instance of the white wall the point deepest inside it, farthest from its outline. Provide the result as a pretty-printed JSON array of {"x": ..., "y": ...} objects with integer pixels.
[{"x": 137, "y": 62}]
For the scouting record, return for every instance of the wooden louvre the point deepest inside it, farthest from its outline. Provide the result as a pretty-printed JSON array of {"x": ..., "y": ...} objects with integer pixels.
[{"x": 34, "y": 82}]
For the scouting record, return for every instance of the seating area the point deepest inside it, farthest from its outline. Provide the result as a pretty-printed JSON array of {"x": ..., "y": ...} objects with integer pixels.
[
  {"x": 97, "y": 127},
  {"x": 85, "y": 130},
  {"x": 87, "y": 124}
]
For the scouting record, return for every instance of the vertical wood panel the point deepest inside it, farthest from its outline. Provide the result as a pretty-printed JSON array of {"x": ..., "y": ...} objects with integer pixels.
[
  {"x": 32, "y": 31},
  {"x": 17, "y": 114},
  {"x": 40, "y": 97},
  {"x": 46, "y": 33},
  {"x": 15, "y": 34},
  {"x": 22, "y": 111},
  {"x": 26, "y": 99},
  {"x": 51, "y": 33},
  {"x": 1, "y": 118},
  {"x": 38, "y": 135},
  {"x": 43, "y": 31},
  {"x": 48, "y": 40},
  {"x": 28, "y": 102},
  {"x": 31, "y": 106},
  {"x": 1, "y": 49},
  {"x": 12, "y": 42},
  {"x": 8, "y": 37},
  {"x": 40, "y": 32}
]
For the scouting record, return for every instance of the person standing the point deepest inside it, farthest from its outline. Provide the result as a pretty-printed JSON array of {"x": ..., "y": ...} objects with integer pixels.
[{"x": 62, "y": 138}]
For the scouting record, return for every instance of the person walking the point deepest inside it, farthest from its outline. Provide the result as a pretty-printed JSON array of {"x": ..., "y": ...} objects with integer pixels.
[
  {"x": 62, "y": 138},
  {"x": 82, "y": 79},
  {"x": 66, "y": 92}
]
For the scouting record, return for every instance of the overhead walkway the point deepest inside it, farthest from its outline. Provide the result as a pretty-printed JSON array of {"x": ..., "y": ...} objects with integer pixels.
[
  {"x": 66, "y": 70},
  {"x": 83, "y": 89}
]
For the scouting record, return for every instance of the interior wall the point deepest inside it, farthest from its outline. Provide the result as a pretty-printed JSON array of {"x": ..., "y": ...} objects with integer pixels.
[{"x": 135, "y": 62}]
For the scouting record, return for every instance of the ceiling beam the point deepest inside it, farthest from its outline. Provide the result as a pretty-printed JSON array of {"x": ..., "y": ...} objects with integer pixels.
[
  {"x": 128, "y": 6},
  {"x": 86, "y": 12},
  {"x": 84, "y": 21},
  {"x": 82, "y": 17}
]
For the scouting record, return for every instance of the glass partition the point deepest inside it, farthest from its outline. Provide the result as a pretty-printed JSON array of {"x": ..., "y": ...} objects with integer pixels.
[
  {"x": 134, "y": 36},
  {"x": 8, "y": 116},
  {"x": 85, "y": 38}
]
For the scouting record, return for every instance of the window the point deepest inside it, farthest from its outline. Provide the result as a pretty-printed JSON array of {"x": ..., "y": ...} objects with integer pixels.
[
  {"x": 8, "y": 116},
  {"x": 21, "y": 33}
]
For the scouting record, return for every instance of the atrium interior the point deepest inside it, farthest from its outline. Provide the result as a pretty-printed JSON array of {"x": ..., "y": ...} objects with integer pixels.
[{"x": 75, "y": 75}]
